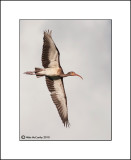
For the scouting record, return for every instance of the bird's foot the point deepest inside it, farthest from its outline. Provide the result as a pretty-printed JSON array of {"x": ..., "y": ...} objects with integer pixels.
[{"x": 30, "y": 73}]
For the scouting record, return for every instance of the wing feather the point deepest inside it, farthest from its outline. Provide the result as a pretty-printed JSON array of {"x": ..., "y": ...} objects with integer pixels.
[
  {"x": 50, "y": 59},
  {"x": 56, "y": 87},
  {"x": 50, "y": 53}
]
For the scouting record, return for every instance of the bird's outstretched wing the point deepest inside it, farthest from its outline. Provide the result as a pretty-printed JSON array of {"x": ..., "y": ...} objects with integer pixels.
[
  {"x": 50, "y": 53},
  {"x": 50, "y": 59},
  {"x": 56, "y": 87}
]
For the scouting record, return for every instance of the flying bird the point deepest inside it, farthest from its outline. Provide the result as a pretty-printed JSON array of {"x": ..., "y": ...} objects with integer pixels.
[{"x": 54, "y": 75}]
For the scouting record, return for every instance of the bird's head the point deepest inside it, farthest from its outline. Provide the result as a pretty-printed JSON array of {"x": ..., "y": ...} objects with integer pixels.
[{"x": 73, "y": 74}]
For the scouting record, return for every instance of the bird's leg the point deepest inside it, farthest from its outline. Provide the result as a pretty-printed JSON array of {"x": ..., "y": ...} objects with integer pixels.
[
  {"x": 36, "y": 72},
  {"x": 30, "y": 72}
]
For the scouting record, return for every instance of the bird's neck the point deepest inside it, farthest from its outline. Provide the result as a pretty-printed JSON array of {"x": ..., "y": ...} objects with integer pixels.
[{"x": 64, "y": 75}]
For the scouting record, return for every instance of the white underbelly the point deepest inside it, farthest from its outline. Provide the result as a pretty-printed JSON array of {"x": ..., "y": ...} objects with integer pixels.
[{"x": 50, "y": 72}]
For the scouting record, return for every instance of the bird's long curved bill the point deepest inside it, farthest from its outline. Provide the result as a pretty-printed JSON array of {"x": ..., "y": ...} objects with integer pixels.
[{"x": 78, "y": 76}]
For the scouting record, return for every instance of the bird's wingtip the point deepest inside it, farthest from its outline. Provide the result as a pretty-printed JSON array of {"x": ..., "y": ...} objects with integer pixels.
[
  {"x": 66, "y": 124},
  {"x": 49, "y": 32}
]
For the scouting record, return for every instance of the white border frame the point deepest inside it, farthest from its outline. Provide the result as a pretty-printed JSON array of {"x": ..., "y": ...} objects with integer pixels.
[{"x": 119, "y": 12}]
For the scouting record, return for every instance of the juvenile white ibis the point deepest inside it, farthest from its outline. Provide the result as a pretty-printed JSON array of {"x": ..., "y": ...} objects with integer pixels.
[{"x": 54, "y": 74}]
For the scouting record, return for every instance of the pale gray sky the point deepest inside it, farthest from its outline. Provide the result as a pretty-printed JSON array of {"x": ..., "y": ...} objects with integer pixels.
[{"x": 85, "y": 47}]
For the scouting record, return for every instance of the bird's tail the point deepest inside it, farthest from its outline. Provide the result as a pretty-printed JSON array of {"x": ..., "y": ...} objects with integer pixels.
[
  {"x": 37, "y": 72},
  {"x": 38, "y": 69}
]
